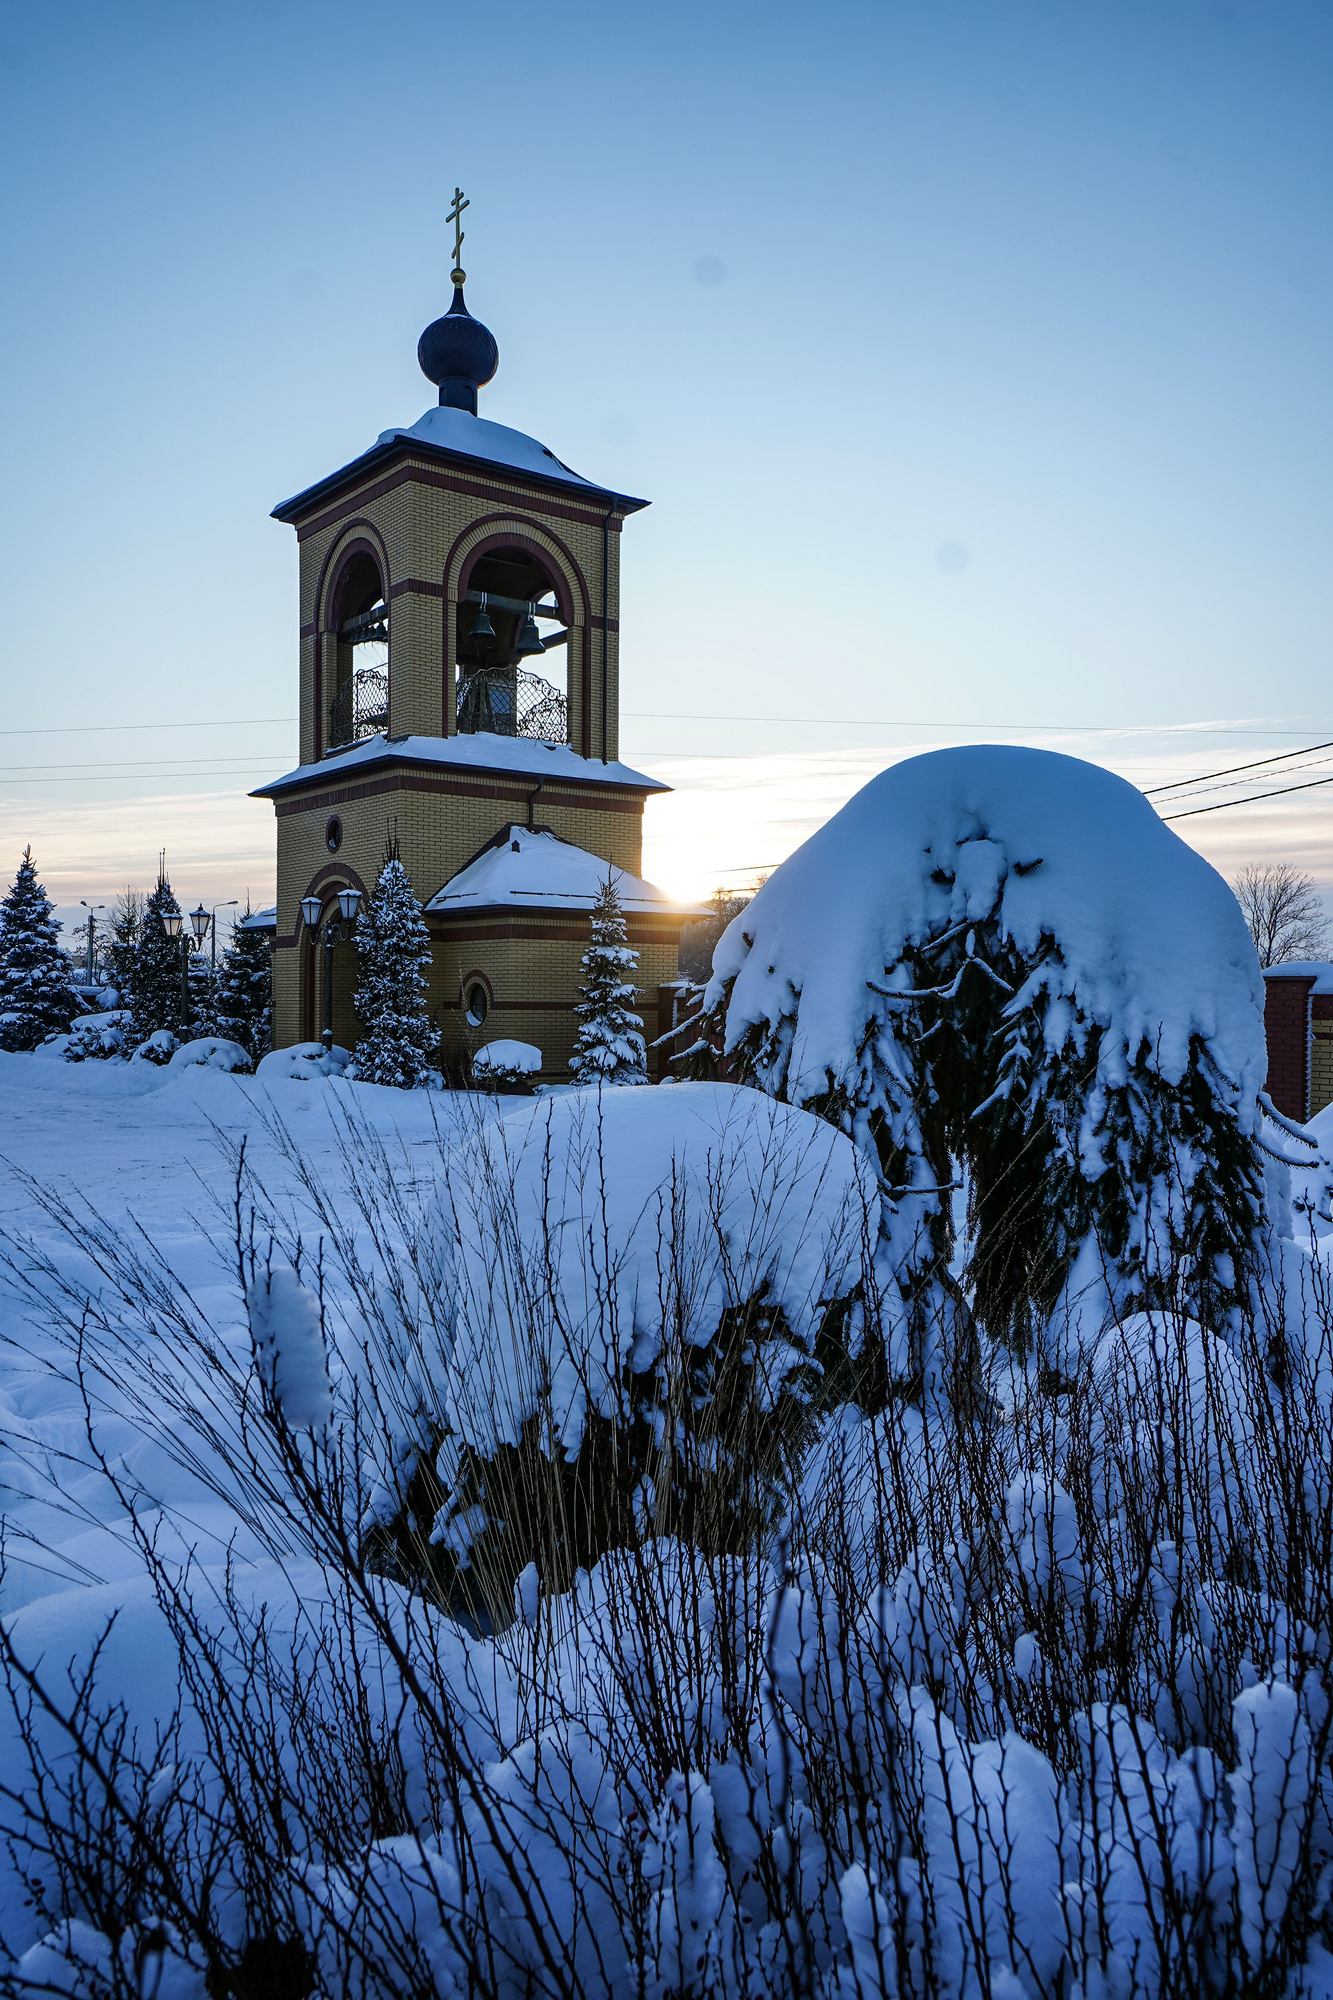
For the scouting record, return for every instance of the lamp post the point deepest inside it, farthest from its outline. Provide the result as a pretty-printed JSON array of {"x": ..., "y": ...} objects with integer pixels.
[
  {"x": 349, "y": 901},
  {"x": 231, "y": 905},
  {"x": 92, "y": 909},
  {"x": 172, "y": 922}
]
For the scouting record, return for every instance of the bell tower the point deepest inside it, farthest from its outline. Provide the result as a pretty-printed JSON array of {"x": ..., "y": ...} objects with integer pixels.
[{"x": 459, "y": 673}]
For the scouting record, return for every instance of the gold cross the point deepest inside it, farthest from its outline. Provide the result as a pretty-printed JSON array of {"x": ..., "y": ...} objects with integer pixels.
[{"x": 455, "y": 215}]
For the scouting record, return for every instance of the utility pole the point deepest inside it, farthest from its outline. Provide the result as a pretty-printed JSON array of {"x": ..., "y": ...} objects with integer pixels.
[{"x": 92, "y": 909}]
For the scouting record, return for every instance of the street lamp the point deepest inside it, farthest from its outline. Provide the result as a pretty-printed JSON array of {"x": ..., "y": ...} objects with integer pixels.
[
  {"x": 171, "y": 924},
  {"x": 92, "y": 909},
  {"x": 349, "y": 902}
]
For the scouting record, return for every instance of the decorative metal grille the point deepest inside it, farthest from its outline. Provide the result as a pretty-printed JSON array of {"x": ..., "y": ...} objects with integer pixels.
[
  {"x": 360, "y": 707},
  {"x": 505, "y": 701}
]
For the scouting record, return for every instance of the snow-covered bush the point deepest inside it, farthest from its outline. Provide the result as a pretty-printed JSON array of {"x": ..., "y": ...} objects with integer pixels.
[
  {"x": 97, "y": 1037},
  {"x": 507, "y": 1065},
  {"x": 304, "y": 1062},
  {"x": 212, "y": 1052},
  {"x": 1001, "y": 960},
  {"x": 637, "y": 1283},
  {"x": 157, "y": 1048}
]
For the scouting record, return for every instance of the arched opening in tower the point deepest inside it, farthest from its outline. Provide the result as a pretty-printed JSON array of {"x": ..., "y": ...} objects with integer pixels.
[
  {"x": 359, "y": 694},
  {"x": 508, "y": 618}
]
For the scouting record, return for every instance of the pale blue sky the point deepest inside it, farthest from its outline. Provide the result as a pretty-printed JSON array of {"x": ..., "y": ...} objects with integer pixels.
[{"x": 976, "y": 359}]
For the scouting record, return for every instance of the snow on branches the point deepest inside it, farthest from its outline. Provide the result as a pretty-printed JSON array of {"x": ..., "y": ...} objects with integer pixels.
[
  {"x": 398, "y": 1040},
  {"x": 609, "y": 1047},
  {"x": 35, "y": 995},
  {"x": 1001, "y": 961}
]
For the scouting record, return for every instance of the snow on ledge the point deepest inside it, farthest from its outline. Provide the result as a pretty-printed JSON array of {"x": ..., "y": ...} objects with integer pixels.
[
  {"x": 1318, "y": 969},
  {"x": 524, "y": 869},
  {"x": 509, "y": 754}
]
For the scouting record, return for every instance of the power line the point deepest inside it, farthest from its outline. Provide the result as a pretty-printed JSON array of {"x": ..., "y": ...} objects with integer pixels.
[
  {"x": 673, "y": 715},
  {"x": 1278, "y": 757},
  {"x": 1223, "y": 804},
  {"x": 100, "y": 728},
  {"x": 1229, "y": 784},
  {"x": 131, "y": 777},
  {"x": 118, "y": 766},
  {"x": 902, "y": 722}
]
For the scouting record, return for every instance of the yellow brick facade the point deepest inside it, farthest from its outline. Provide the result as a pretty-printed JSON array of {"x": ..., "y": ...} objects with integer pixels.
[
  {"x": 1321, "y": 1066},
  {"x": 423, "y": 520},
  {"x": 422, "y": 532}
]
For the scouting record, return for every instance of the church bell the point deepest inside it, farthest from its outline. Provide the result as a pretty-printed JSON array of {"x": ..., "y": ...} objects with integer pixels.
[{"x": 529, "y": 639}]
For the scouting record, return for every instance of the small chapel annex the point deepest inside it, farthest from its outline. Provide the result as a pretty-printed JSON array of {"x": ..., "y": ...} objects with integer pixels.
[{"x": 443, "y": 574}]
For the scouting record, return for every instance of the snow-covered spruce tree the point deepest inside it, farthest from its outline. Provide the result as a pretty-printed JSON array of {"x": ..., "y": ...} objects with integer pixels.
[
  {"x": 1001, "y": 961},
  {"x": 244, "y": 999},
  {"x": 36, "y": 996},
  {"x": 609, "y": 1047},
  {"x": 398, "y": 1040},
  {"x": 126, "y": 926},
  {"x": 154, "y": 997}
]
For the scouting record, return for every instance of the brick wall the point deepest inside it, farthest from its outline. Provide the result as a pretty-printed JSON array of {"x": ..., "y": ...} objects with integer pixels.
[
  {"x": 1287, "y": 1029},
  {"x": 1321, "y": 1051}
]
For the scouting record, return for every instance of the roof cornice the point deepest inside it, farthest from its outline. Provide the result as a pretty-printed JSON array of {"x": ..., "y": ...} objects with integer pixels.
[{"x": 401, "y": 446}]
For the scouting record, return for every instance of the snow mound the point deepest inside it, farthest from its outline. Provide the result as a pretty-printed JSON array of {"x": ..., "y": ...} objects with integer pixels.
[
  {"x": 304, "y": 1062},
  {"x": 555, "y": 1222},
  {"x": 286, "y": 1326},
  {"x": 211, "y": 1052},
  {"x": 521, "y": 1058},
  {"x": 158, "y": 1048},
  {"x": 1083, "y": 875}
]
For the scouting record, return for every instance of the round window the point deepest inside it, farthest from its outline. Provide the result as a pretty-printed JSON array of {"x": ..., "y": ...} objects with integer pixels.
[
  {"x": 333, "y": 834},
  {"x": 477, "y": 1005}
]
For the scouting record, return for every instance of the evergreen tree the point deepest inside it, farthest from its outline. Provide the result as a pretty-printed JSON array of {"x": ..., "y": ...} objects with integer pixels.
[
  {"x": 154, "y": 997},
  {"x": 398, "y": 1040},
  {"x": 36, "y": 994},
  {"x": 609, "y": 1047},
  {"x": 126, "y": 926},
  {"x": 244, "y": 999}
]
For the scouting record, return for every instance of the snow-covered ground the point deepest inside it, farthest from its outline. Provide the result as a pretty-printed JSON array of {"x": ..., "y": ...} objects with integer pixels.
[
  {"x": 151, "y": 1150},
  {"x": 714, "y": 1776}
]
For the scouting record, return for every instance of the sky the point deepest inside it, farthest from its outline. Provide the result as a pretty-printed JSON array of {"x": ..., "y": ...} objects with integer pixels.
[{"x": 974, "y": 354}]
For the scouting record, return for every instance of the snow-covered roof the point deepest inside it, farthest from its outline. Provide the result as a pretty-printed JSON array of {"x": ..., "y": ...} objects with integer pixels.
[
  {"x": 1318, "y": 969},
  {"x": 516, "y": 754},
  {"x": 260, "y": 920},
  {"x": 525, "y": 870},
  {"x": 457, "y": 434}
]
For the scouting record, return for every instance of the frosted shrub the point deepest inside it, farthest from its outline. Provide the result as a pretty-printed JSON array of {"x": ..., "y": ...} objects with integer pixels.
[
  {"x": 1024, "y": 1692},
  {"x": 637, "y": 1288}
]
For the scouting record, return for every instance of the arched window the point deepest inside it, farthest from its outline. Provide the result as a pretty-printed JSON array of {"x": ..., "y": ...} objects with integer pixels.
[
  {"x": 359, "y": 629},
  {"x": 508, "y": 617}
]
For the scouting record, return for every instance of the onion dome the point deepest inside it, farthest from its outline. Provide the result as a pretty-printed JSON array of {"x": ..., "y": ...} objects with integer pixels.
[{"x": 458, "y": 353}]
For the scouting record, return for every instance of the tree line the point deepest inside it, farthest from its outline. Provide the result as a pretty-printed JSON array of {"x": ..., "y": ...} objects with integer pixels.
[{"x": 140, "y": 1002}]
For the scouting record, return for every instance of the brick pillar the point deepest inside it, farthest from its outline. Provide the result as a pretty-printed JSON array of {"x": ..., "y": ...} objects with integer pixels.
[{"x": 1287, "y": 1030}]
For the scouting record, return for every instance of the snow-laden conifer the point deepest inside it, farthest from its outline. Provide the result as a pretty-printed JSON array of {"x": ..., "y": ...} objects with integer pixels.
[
  {"x": 244, "y": 996},
  {"x": 398, "y": 1040},
  {"x": 998, "y": 965},
  {"x": 36, "y": 996},
  {"x": 126, "y": 926},
  {"x": 609, "y": 1047},
  {"x": 154, "y": 998}
]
